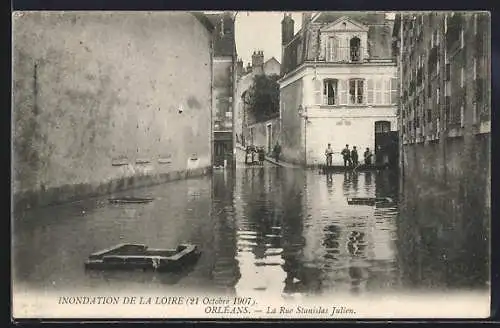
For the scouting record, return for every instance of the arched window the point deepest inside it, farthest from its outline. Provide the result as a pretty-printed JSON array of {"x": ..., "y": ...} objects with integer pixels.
[
  {"x": 355, "y": 47},
  {"x": 330, "y": 94}
]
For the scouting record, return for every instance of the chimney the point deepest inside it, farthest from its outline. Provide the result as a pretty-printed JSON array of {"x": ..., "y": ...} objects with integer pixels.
[
  {"x": 306, "y": 18},
  {"x": 258, "y": 61},
  {"x": 239, "y": 68},
  {"x": 287, "y": 26}
]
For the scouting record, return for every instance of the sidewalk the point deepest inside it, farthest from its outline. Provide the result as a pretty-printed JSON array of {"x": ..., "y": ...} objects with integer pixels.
[{"x": 271, "y": 160}]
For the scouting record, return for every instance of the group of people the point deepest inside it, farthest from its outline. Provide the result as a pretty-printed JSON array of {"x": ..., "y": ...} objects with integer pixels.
[
  {"x": 350, "y": 156},
  {"x": 251, "y": 151}
]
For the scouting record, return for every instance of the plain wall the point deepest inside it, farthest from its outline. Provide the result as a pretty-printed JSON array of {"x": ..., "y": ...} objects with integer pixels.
[{"x": 93, "y": 89}]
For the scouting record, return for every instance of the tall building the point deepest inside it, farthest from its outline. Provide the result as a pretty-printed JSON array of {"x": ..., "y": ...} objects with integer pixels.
[
  {"x": 339, "y": 86},
  {"x": 224, "y": 88},
  {"x": 445, "y": 114},
  {"x": 249, "y": 131}
]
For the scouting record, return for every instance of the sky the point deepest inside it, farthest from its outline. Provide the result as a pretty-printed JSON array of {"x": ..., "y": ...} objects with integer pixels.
[{"x": 261, "y": 31}]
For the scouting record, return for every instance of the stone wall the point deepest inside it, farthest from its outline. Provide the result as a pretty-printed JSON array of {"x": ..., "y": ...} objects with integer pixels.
[
  {"x": 260, "y": 135},
  {"x": 96, "y": 99},
  {"x": 446, "y": 192}
]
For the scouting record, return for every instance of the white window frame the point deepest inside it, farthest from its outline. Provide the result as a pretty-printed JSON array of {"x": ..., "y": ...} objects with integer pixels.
[
  {"x": 461, "y": 38},
  {"x": 336, "y": 92},
  {"x": 356, "y": 89}
]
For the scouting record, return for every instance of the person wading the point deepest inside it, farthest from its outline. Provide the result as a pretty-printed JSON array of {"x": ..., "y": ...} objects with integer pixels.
[
  {"x": 346, "y": 154},
  {"x": 329, "y": 154}
]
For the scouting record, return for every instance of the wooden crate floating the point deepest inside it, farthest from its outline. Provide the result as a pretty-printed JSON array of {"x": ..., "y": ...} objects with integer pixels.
[{"x": 139, "y": 256}]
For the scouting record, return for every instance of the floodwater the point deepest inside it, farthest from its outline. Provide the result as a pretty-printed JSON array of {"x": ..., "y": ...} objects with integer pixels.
[{"x": 260, "y": 229}]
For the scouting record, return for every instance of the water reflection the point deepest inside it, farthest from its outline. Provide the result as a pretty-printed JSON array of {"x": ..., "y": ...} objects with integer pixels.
[{"x": 262, "y": 230}]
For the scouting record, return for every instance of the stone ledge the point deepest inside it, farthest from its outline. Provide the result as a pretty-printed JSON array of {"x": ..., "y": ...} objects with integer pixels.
[{"x": 73, "y": 192}]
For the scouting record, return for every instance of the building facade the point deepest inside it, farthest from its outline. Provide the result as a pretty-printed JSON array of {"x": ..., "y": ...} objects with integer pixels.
[
  {"x": 444, "y": 121},
  {"x": 250, "y": 131},
  {"x": 224, "y": 88},
  {"x": 108, "y": 101},
  {"x": 339, "y": 86}
]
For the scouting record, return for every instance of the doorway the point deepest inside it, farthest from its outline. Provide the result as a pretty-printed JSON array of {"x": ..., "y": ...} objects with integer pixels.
[{"x": 386, "y": 145}]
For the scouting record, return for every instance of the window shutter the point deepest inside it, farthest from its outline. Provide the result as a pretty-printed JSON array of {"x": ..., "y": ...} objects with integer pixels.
[
  {"x": 327, "y": 48},
  {"x": 317, "y": 91},
  {"x": 335, "y": 49},
  {"x": 323, "y": 46},
  {"x": 378, "y": 91},
  {"x": 343, "y": 89},
  {"x": 394, "y": 90},
  {"x": 387, "y": 91},
  {"x": 369, "y": 91}
]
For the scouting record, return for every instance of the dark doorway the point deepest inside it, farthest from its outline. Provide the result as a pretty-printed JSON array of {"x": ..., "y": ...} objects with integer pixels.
[
  {"x": 222, "y": 151},
  {"x": 386, "y": 145}
]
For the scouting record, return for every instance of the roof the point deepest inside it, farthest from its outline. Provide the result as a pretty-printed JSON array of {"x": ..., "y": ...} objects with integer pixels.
[
  {"x": 271, "y": 59},
  {"x": 204, "y": 20},
  {"x": 224, "y": 42},
  {"x": 362, "y": 17}
]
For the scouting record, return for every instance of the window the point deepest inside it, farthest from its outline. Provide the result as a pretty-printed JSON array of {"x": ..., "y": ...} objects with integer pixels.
[
  {"x": 382, "y": 126},
  {"x": 355, "y": 49},
  {"x": 356, "y": 91},
  {"x": 332, "y": 49},
  {"x": 330, "y": 88}
]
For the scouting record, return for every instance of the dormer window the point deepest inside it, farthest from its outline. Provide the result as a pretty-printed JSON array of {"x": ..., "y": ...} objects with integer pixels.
[
  {"x": 355, "y": 49},
  {"x": 344, "y": 40}
]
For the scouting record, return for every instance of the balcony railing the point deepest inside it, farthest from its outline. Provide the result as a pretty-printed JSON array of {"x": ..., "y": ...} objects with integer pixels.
[{"x": 345, "y": 55}]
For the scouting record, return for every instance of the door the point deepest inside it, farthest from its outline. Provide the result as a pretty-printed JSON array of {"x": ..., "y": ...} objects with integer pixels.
[{"x": 386, "y": 144}]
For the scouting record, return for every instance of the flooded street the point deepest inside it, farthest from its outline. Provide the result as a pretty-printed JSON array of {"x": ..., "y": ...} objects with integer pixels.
[{"x": 261, "y": 230}]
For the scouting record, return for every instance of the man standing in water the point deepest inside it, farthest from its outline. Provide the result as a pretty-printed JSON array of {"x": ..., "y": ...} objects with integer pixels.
[
  {"x": 329, "y": 154},
  {"x": 346, "y": 154}
]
